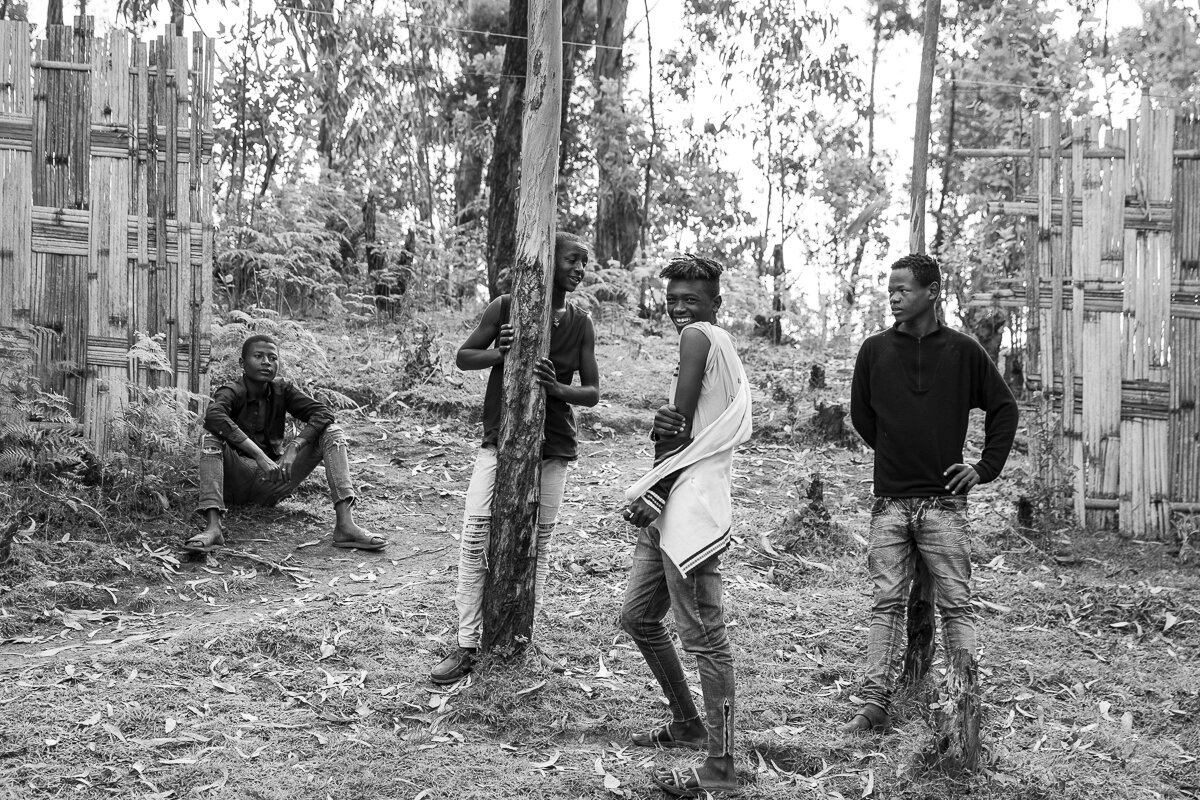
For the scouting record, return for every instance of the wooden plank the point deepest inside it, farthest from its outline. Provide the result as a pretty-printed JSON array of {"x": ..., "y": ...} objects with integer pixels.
[
  {"x": 1156, "y": 217},
  {"x": 1073, "y": 318},
  {"x": 1184, "y": 455},
  {"x": 16, "y": 175},
  {"x": 1145, "y": 482},
  {"x": 108, "y": 320},
  {"x": 139, "y": 265},
  {"x": 205, "y": 122},
  {"x": 60, "y": 180},
  {"x": 159, "y": 316},
  {"x": 179, "y": 114},
  {"x": 1180, "y": 154}
]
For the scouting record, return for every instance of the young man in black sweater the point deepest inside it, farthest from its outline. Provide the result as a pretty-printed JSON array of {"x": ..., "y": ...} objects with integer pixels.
[{"x": 914, "y": 387}]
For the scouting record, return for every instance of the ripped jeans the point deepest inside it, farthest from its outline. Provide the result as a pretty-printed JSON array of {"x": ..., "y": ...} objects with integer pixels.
[
  {"x": 476, "y": 533},
  {"x": 228, "y": 477},
  {"x": 902, "y": 528},
  {"x": 656, "y": 585}
]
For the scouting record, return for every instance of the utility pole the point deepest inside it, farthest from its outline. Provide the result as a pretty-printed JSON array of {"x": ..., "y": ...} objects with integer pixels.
[
  {"x": 916, "y": 212},
  {"x": 508, "y": 596},
  {"x": 921, "y": 640},
  {"x": 956, "y": 745}
]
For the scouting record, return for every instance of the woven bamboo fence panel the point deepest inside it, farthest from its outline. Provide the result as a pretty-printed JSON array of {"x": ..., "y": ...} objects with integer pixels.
[
  {"x": 106, "y": 209},
  {"x": 1110, "y": 312}
]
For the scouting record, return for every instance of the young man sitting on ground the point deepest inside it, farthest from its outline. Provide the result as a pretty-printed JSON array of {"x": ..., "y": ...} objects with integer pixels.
[{"x": 244, "y": 459}]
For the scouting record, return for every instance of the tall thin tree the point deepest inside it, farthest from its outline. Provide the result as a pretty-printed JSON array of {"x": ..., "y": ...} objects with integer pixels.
[
  {"x": 504, "y": 174},
  {"x": 618, "y": 226},
  {"x": 512, "y": 552}
]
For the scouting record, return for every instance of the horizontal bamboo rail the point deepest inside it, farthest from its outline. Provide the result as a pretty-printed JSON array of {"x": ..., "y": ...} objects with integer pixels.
[{"x": 1050, "y": 152}]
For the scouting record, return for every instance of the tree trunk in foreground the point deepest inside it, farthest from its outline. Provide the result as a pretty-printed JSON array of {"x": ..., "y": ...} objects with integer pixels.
[
  {"x": 921, "y": 640},
  {"x": 504, "y": 174},
  {"x": 508, "y": 594},
  {"x": 956, "y": 747}
]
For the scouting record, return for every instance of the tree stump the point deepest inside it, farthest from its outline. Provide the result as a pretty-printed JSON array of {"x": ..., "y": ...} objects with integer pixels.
[
  {"x": 810, "y": 522},
  {"x": 922, "y": 643},
  {"x": 956, "y": 747},
  {"x": 7, "y": 534},
  {"x": 830, "y": 422}
]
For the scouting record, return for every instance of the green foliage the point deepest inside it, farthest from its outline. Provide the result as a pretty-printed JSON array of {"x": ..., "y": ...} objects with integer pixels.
[
  {"x": 1047, "y": 484},
  {"x": 151, "y": 440},
  {"x": 58, "y": 477},
  {"x": 39, "y": 440},
  {"x": 284, "y": 255}
]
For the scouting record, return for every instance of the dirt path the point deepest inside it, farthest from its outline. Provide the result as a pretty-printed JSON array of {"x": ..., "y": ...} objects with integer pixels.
[
  {"x": 412, "y": 479},
  {"x": 300, "y": 671}
]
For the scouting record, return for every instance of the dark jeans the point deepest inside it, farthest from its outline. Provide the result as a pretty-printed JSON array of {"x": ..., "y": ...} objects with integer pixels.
[
  {"x": 902, "y": 527},
  {"x": 228, "y": 477},
  {"x": 656, "y": 585}
]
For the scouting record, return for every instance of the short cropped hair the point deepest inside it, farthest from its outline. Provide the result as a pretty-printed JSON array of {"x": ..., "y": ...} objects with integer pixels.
[
  {"x": 925, "y": 268},
  {"x": 258, "y": 337},
  {"x": 694, "y": 268},
  {"x": 562, "y": 239}
]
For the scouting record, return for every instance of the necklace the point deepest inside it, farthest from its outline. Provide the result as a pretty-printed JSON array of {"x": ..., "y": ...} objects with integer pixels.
[{"x": 558, "y": 316}]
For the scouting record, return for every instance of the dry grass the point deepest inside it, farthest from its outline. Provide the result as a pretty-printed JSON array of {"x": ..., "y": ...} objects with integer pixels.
[{"x": 225, "y": 680}]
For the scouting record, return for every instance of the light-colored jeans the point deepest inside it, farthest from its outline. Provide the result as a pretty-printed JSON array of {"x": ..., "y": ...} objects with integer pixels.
[
  {"x": 476, "y": 533},
  {"x": 902, "y": 527},
  {"x": 229, "y": 477},
  {"x": 656, "y": 585}
]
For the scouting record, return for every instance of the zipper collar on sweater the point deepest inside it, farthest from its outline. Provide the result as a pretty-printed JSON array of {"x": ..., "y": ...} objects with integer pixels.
[
  {"x": 918, "y": 383},
  {"x": 936, "y": 330}
]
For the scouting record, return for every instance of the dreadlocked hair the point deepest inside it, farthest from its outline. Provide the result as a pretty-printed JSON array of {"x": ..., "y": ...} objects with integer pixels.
[
  {"x": 925, "y": 268},
  {"x": 694, "y": 268}
]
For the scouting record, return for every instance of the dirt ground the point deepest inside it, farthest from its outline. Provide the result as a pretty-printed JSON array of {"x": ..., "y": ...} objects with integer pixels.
[{"x": 283, "y": 668}]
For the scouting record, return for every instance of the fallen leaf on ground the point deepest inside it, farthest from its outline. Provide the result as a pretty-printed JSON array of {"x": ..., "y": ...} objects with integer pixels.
[{"x": 549, "y": 762}]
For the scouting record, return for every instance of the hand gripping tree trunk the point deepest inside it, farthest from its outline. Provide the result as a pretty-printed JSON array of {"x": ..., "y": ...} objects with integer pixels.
[{"x": 508, "y": 596}]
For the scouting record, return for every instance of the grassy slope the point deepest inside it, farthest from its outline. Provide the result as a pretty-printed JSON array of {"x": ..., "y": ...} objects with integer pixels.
[{"x": 229, "y": 681}]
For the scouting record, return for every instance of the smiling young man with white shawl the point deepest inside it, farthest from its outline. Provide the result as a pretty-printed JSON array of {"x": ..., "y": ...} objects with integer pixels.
[{"x": 683, "y": 508}]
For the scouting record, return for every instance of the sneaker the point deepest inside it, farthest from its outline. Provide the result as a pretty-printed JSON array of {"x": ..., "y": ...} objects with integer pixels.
[{"x": 454, "y": 667}]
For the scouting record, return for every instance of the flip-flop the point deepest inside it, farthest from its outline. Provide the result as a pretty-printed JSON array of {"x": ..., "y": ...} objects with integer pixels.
[
  {"x": 216, "y": 544},
  {"x": 661, "y": 737},
  {"x": 688, "y": 784},
  {"x": 373, "y": 542}
]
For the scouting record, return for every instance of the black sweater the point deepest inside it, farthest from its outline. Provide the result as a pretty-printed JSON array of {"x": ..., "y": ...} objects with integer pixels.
[{"x": 911, "y": 401}]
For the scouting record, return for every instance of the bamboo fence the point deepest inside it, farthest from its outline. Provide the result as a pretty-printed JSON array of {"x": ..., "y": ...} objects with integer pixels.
[
  {"x": 106, "y": 209},
  {"x": 1109, "y": 311}
]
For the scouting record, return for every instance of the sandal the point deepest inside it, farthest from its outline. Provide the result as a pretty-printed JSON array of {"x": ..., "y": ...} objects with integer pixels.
[
  {"x": 662, "y": 738},
  {"x": 201, "y": 543},
  {"x": 363, "y": 541},
  {"x": 687, "y": 783}
]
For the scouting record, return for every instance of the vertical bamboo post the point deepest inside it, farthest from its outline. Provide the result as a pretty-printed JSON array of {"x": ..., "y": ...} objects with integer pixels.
[{"x": 512, "y": 550}]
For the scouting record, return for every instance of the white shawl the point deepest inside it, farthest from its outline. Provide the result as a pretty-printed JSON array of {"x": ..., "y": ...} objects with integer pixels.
[{"x": 695, "y": 524}]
